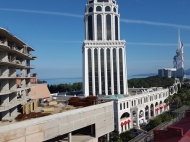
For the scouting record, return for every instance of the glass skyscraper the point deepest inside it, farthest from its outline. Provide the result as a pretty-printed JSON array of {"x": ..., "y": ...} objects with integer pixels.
[{"x": 104, "y": 56}]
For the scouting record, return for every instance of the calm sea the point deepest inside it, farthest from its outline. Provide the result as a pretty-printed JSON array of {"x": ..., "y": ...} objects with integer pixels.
[{"x": 55, "y": 81}]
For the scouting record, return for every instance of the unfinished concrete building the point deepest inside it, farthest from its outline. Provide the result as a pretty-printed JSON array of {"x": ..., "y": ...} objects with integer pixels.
[{"x": 15, "y": 57}]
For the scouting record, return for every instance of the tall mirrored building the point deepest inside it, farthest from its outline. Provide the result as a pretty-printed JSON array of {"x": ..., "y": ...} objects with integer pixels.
[{"x": 104, "y": 56}]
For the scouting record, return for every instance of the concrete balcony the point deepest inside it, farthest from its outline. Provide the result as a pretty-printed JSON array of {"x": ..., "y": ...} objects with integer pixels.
[
  {"x": 16, "y": 51},
  {"x": 14, "y": 64},
  {"x": 4, "y": 92},
  {"x": 10, "y": 105}
]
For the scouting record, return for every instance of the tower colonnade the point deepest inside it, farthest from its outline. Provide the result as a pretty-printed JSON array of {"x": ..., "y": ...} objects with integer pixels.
[{"x": 105, "y": 69}]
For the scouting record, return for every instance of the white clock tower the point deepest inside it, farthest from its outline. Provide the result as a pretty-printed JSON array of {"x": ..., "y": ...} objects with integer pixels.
[{"x": 104, "y": 56}]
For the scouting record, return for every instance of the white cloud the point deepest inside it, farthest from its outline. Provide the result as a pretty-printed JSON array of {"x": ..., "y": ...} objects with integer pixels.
[
  {"x": 151, "y": 44},
  {"x": 42, "y": 12},
  {"x": 81, "y": 16},
  {"x": 155, "y": 23}
]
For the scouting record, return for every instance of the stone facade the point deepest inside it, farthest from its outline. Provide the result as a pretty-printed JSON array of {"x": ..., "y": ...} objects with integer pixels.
[{"x": 45, "y": 128}]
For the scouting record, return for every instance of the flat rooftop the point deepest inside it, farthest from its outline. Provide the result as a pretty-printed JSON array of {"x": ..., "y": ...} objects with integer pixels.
[
  {"x": 51, "y": 106},
  {"x": 133, "y": 92}
]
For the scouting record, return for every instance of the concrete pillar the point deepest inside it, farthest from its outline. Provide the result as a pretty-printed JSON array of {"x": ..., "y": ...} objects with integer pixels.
[
  {"x": 12, "y": 97},
  {"x": 22, "y": 71},
  {"x": 22, "y": 62},
  {"x": 85, "y": 72},
  {"x": 137, "y": 122},
  {"x": 154, "y": 112},
  {"x": 125, "y": 84},
  {"x": 4, "y": 85},
  {"x": 93, "y": 73},
  {"x": 12, "y": 85},
  {"x": 105, "y": 71},
  {"x": 112, "y": 72},
  {"x": 14, "y": 112},
  {"x": 69, "y": 137},
  {"x": 127, "y": 126},
  {"x": 5, "y": 115},
  {"x": 99, "y": 72},
  {"x": 92, "y": 130},
  {"x": 108, "y": 137},
  {"x": 149, "y": 113},
  {"x": 27, "y": 108},
  {"x": 118, "y": 71},
  {"x": 4, "y": 56},
  {"x": 159, "y": 111},
  {"x": 4, "y": 100},
  {"x": 23, "y": 82},
  {"x": 12, "y": 72},
  {"x": 28, "y": 72}
]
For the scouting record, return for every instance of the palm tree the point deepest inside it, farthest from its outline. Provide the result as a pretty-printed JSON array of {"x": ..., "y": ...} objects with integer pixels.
[{"x": 177, "y": 100}]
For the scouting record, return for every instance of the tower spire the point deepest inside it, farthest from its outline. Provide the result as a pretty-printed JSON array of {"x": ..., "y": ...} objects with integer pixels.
[{"x": 179, "y": 40}]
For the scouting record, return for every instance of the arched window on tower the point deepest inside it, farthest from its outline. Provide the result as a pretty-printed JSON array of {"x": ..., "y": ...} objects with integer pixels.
[
  {"x": 114, "y": 9},
  {"x": 107, "y": 8},
  {"x": 99, "y": 27},
  {"x": 108, "y": 26},
  {"x": 116, "y": 28},
  {"x": 92, "y": 1},
  {"x": 90, "y": 33},
  {"x": 98, "y": 8},
  {"x": 90, "y": 9},
  {"x": 102, "y": 0}
]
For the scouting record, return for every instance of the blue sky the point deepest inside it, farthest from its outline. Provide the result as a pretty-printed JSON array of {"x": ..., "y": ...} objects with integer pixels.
[{"x": 55, "y": 29}]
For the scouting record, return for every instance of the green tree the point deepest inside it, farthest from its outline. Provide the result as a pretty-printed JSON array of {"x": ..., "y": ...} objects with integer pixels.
[
  {"x": 126, "y": 136},
  {"x": 177, "y": 100},
  {"x": 153, "y": 123}
]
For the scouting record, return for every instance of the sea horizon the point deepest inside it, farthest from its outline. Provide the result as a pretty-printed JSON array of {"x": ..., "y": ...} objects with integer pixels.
[{"x": 70, "y": 80}]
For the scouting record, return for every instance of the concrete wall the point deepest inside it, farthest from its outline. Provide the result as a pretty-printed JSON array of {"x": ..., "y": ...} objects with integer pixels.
[{"x": 40, "y": 129}]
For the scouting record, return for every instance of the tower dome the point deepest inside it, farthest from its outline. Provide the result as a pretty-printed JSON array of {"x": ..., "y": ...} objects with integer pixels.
[{"x": 102, "y": 20}]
